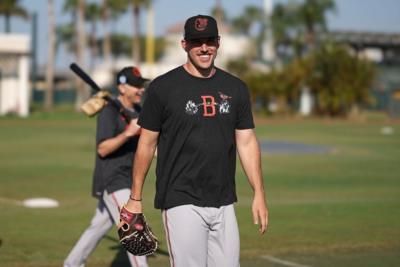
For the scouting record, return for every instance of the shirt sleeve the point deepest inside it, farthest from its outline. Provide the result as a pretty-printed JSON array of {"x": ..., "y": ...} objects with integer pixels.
[
  {"x": 245, "y": 116},
  {"x": 106, "y": 124},
  {"x": 150, "y": 117}
]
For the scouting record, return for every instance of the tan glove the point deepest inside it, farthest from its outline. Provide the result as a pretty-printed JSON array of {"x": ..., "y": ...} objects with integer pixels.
[{"x": 94, "y": 104}]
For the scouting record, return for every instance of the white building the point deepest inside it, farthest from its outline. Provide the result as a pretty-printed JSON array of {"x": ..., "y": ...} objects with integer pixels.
[{"x": 14, "y": 74}]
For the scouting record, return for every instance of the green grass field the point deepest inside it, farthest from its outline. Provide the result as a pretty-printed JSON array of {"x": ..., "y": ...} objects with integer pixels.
[{"x": 336, "y": 209}]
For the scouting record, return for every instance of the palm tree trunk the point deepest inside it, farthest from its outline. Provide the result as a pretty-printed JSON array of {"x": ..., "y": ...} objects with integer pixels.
[
  {"x": 136, "y": 35},
  {"x": 93, "y": 47},
  {"x": 81, "y": 45},
  {"x": 93, "y": 42},
  {"x": 48, "y": 104},
  {"x": 310, "y": 38},
  {"x": 106, "y": 39}
]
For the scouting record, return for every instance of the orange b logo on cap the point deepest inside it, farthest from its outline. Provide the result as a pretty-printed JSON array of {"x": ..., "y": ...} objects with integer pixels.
[
  {"x": 136, "y": 72},
  {"x": 200, "y": 24}
]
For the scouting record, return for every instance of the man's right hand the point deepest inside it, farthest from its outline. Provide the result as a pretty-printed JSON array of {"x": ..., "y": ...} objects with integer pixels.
[
  {"x": 134, "y": 206},
  {"x": 135, "y": 235},
  {"x": 132, "y": 128}
]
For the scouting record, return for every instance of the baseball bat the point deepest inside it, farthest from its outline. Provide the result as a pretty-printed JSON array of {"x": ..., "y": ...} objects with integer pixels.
[
  {"x": 84, "y": 76},
  {"x": 127, "y": 115}
]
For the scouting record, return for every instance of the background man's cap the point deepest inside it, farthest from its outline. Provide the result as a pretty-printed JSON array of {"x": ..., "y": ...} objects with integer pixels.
[
  {"x": 200, "y": 26},
  {"x": 131, "y": 75}
]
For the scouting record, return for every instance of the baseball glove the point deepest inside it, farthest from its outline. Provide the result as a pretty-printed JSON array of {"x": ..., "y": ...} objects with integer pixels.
[
  {"x": 135, "y": 234},
  {"x": 94, "y": 104}
]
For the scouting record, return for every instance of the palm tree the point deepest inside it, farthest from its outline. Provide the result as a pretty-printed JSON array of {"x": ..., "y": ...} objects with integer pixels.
[
  {"x": 66, "y": 35},
  {"x": 312, "y": 15},
  {"x": 106, "y": 44},
  {"x": 247, "y": 19},
  {"x": 110, "y": 10},
  {"x": 77, "y": 41},
  {"x": 251, "y": 16},
  {"x": 117, "y": 7},
  {"x": 295, "y": 24},
  {"x": 9, "y": 8},
  {"x": 219, "y": 13},
  {"x": 136, "y": 9},
  {"x": 241, "y": 25},
  {"x": 82, "y": 94},
  {"x": 286, "y": 29},
  {"x": 50, "y": 57},
  {"x": 92, "y": 15}
]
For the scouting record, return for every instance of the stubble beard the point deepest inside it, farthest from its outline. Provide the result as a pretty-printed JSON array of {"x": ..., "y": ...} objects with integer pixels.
[{"x": 203, "y": 70}]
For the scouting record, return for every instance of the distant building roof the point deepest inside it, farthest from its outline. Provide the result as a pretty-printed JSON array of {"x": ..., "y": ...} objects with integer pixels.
[
  {"x": 14, "y": 43},
  {"x": 176, "y": 28},
  {"x": 370, "y": 39}
]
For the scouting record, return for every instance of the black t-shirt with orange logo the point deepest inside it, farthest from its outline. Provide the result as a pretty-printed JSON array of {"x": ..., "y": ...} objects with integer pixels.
[{"x": 196, "y": 119}]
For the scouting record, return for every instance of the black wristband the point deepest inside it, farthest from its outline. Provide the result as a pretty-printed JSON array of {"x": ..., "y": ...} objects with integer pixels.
[{"x": 134, "y": 199}]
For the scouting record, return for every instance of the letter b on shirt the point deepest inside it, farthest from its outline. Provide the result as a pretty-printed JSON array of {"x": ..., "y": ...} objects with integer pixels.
[{"x": 208, "y": 106}]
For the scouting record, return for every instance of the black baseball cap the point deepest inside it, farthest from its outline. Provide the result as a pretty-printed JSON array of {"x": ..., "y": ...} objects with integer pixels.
[
  {"x": 200, "y": 26},
  {"x": 132, "y": 76}
]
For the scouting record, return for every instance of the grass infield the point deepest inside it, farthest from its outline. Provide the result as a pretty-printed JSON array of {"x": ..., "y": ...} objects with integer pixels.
[{"x": 336, "y": 209}]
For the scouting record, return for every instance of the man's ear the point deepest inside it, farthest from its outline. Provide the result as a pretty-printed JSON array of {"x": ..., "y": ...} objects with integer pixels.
[
  {"x": 121, "y": 89},
  {"x": 183, "y": 44}
]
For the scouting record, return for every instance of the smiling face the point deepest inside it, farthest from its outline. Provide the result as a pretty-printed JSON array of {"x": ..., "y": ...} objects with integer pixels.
[
  {"x": 130, "y": 95},
  {"x": 201, "y": 55}
]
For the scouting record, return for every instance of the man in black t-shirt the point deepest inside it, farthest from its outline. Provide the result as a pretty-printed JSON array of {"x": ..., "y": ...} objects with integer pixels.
[
  {"x": 116, "y": 143},
  {"x": 198, "y": 117}
]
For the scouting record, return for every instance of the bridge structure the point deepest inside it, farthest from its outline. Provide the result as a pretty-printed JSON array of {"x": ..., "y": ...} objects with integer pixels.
[{"x": 381, "y": 47}]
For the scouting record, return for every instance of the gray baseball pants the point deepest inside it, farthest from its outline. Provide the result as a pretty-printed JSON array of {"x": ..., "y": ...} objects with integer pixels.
[
  {"x": 106, "y": 215},
  {"x": 202, "y": 236}
]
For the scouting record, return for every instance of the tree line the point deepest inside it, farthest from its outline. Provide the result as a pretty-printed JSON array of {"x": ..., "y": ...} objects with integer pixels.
[{"x": 338, "y": 78}]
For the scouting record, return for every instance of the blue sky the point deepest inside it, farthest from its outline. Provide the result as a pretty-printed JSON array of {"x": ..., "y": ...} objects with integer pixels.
[{"x": 362, "y": 15}]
